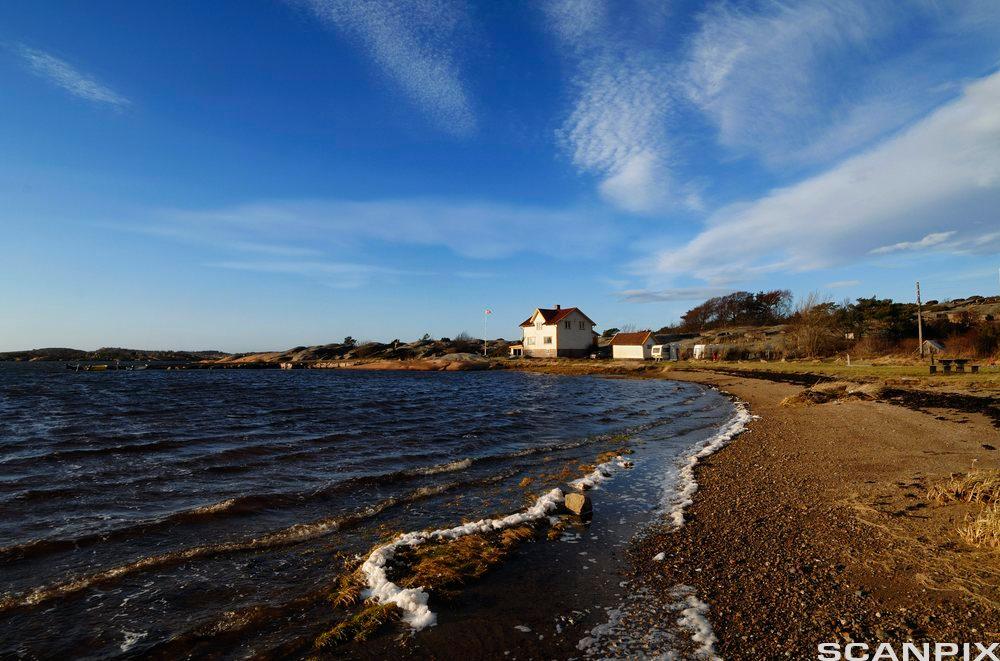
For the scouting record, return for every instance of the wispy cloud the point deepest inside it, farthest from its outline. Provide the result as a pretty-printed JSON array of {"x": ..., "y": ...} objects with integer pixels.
[
  {"x": 841, "y": 284},
  {"x": 276, "y": 249},
  {"x": 811, "y": 81},
  {"x": 415, "y": 43},
  {"x": 478, "y": 230},
  {"x": 340, "y": 275},
  {"x": 672, "y": 295},
  {"x": 64, "y": 75},
  {"x": 617, "y": 129},
  {"x": 944, "y": 168},
  {"x": 929, "y": 241}
]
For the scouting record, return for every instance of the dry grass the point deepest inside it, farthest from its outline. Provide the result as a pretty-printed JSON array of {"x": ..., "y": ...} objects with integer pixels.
[
  {"x": 984, "y": 530},
  {"x": 831, "y": 391},
  {"x": 445, "y": 565},
  {"x": 360, "y": 626},
  {"x": 441, "y": 566},
  {"x": 859, "y": 370},
  {"x": 348, "y": 591},
  {"x": 976, "y": 486}
]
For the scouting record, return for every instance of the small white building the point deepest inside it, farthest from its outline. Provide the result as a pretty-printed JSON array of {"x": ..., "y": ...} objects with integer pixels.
[
  {"x": 666, "y": 351},
  {"x": 558, "y": 331},
  {"x": 633, "y": 346}
]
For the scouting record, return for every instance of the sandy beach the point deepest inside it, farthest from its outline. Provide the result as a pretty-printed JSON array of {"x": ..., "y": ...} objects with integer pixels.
[{"x": 815, "y": 526}]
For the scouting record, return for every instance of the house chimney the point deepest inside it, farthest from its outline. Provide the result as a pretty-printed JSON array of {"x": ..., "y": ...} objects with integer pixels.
[{"x": 558, "y": 307}]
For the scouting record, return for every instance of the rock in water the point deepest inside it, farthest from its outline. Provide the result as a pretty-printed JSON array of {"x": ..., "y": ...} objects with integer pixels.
[{"x": 578, "y": 503}]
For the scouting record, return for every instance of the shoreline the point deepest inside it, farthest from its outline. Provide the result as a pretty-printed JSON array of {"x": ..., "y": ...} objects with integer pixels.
[{"x": 813, "y": 526}]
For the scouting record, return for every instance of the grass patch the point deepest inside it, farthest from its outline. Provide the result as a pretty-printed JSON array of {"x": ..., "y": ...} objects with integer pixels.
[
  {"x": 856, "y": 371},
  {"x": 976, "y": 486},
  {"x": 821, "y": 393},
  {"x": 359, "y": 626},
  {"x": 984, "y": 530},
  {"x": 440, "y": 566},
  {"x": 443, "y": 566},
  {"x": 347, "y": 594}
]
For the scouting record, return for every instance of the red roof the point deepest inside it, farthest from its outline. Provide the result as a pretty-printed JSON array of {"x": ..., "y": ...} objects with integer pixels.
[
  {"x": 631, "y": 339},
  {"x": 554, "y": 315}
]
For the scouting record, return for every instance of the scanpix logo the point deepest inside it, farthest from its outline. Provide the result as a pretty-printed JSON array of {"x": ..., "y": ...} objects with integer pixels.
[{"x": 908, "y": 652}]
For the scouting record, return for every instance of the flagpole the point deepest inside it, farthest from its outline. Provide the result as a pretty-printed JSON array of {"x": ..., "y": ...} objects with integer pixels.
[{"x": 485, "y": 316}]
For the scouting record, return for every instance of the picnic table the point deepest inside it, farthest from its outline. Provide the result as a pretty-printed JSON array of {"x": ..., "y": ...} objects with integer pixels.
[{"x": 959, "y": 364}]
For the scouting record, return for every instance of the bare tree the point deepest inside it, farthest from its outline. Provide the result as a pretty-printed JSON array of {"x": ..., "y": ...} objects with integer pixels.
[{"x": 812, "y": 326}]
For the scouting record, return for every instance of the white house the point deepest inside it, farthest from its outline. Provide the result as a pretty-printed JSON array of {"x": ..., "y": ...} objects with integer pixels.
[
  {"x": 633, "y": 346},
  {"x": 559, "y": 331}
]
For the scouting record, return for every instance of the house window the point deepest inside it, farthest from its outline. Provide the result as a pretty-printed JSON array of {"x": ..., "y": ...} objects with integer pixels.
[
  {"x": 582, "y": 325},
  {"x": 569, "y": 324},
  {"x": 531, "y": 340},
  {"x": 538, "y": 325},
  {"x": 548, "y": 339}
]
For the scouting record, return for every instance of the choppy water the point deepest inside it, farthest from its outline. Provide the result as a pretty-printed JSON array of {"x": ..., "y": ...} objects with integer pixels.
[{"x": 185, "y": 512}]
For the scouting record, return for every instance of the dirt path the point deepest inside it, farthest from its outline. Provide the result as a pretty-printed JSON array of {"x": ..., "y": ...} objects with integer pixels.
[{"x": 814, "y": 526}]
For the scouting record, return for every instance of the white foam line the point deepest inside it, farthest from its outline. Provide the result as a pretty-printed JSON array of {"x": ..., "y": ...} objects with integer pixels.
[
  {"x": 687, "y": 485},
  {"x": 694, "y": 618},
  {"x": 413, "y": 601}
]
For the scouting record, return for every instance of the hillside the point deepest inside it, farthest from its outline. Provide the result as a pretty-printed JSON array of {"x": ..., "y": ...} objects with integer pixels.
[{"x": 108, "y": 353}]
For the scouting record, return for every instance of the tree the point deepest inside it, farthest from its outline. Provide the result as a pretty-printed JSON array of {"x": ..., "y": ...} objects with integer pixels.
[
  {"x": 813, "y": 326},
  {"x": 350, "y": 341},
  {"x": 740, "y": 308},
  {"x": 610, "y": 332}
]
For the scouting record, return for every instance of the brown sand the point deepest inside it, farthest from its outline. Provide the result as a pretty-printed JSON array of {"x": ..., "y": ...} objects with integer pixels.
[{"x": 815, "y": 526}]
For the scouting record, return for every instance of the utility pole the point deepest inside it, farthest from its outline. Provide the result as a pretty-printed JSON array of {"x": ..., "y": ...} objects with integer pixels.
[
  {"x": 486, "y": 315},
  {"x": 920, "y": 322}
]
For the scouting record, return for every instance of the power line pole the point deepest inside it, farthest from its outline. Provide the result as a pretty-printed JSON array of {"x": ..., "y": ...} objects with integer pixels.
[
  {"x": 920, "y": 322},
  {"x": 486, "y": 315}
]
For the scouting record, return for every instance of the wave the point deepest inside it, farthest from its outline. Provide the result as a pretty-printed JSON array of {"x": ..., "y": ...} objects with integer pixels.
[
  {"x": 294, "y": 534},
  {"x": 449, "y": 467},
  {"x": 228, "y": 507},
  {"x": 676, "y": 500},
  {"x": 413, "y": 601}
]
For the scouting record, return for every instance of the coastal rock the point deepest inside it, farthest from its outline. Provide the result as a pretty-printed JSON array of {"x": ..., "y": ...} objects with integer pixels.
[{"x": 578, "y": 503}]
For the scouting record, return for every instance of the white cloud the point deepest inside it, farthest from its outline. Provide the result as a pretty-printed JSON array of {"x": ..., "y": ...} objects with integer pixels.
[
  {"x": 64, "y": 75},
  {"x": 944, "y": 169},
  {"x": 811, "y": 81},
  {"x": 618, "y": 126},
  {"x": 414, "y": 42},
  {"x": 933, "y": 239}
]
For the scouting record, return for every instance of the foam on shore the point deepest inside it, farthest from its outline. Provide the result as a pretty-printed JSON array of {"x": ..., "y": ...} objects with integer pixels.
[
  {"x": 675, "y": 501},
  {"x": 643, "y": 623},
  {"x": 413, "y": 601}
]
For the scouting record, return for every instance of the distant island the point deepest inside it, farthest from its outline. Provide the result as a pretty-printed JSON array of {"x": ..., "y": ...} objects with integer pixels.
[{"x": 109, "y": 353}]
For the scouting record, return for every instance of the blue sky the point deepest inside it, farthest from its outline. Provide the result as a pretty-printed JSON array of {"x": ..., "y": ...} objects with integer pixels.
[{"x": 263, "y": 174}]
